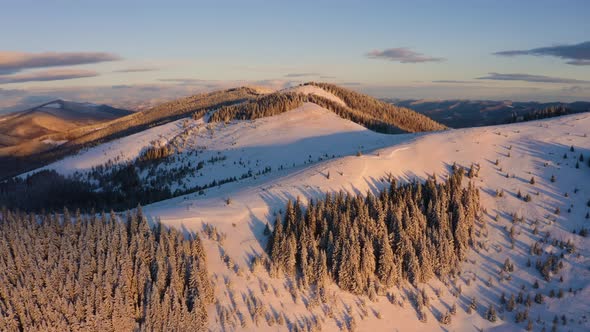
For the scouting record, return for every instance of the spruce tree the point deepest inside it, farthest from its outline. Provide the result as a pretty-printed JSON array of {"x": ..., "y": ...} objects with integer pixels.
[{"x": 491, "y": 313}]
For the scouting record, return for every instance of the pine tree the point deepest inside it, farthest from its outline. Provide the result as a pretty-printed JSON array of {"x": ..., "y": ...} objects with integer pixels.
[
  {"x": 511, "y": 304},
  {"x": 386, "y": 265},
  {"x": 529, "y": 325},
  {"x": 473, "y": 304},
  {"x": 491, "y": 313}
]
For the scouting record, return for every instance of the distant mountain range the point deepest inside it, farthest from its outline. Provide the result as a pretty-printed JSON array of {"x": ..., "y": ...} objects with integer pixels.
[
  {"x": 54, "y": 117},
  {"x": 475, "y": 113}
]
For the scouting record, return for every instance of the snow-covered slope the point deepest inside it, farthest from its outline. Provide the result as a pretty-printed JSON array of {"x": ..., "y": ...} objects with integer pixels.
[
  {"x": 305, "y": 135},
  {"x": 311, "y": 151},
  {"x": 532, "y": 149},
  {"x": 315, "y": 90}
]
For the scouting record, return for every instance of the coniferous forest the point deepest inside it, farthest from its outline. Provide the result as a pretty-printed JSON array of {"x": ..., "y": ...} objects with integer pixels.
[
  {"x": 366, "y": 243},
  {"x": 70, "y": 273}
]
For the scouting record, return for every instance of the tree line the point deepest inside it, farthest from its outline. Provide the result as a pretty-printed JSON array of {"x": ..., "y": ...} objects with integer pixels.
[
  {"x": 95, "y": 272},
  {"x": 364, "y": 244},
  {"x": 548, "y": 112}
]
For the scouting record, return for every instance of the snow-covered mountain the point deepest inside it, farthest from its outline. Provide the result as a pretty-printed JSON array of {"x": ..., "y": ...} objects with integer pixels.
[
  {"x": 231, "y": 178},
  {"x": 56, "y": 116},
  {"x": 48, "y": 125},
  {"x": 539, "y": 150}
]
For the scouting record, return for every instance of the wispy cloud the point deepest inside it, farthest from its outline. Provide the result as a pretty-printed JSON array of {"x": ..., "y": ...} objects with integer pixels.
[
  {"x": 135, "y": 70},
  {"x": 49, "y": 75},
  {"x": 302, "y": 74},
  {"x": 576, "y": 54},
  {"x": 13, "y": 62},
  {"x": 455, "y": 81},
  {"x": 402, "y": 55},
  {"x": 184, "y": 81},
  {"x": 530, "y": 78}
]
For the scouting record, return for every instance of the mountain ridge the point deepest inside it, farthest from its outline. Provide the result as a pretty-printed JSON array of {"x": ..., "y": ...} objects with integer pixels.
[{"x": 464, "y": 113}]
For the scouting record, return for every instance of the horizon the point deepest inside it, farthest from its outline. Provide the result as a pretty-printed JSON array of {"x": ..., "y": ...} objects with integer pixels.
[{"x": 136, "y": 52}]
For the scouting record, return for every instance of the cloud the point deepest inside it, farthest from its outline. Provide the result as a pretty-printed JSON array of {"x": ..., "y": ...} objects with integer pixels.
[
  {"x": 402, "y": 55},
  {"x": 530, "y": 78},
  {"x": 454, "y": 81},
  {"x": 135, "y": 70},
  {"x": 576, "y": 54},
  {"x": 579, "y": 62},
  {"x": 302, "y": 74},
  {"x": 185, "y": 81},
  {"x": 576, "y": 89},
  {"x": 13, "y": 62},
  {"x": 328, "y": 77},
  {"x": 49, "y": 75}
]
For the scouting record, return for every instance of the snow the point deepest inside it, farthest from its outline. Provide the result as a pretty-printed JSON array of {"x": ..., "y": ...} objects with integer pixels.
[
  {"x": 123, "y": 149},
  {"x": 290, "y": 140},
  {"x": 536, "y": 149},
  {"x": 254, "y": 202},
  {"x": 55, "y": 105},
  {"x": 315, "y": 90},
  {"x": 53, "y": 142}
]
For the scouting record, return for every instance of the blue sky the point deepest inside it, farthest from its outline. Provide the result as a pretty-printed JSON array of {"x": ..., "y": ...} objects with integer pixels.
[{"x": 406, "y": 49}]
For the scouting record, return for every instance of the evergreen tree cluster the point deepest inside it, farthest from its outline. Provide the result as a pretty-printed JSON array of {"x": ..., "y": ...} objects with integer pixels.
[
  {"x": 268, "y": 105},
  {"x": 155, "y": 153},
  {"x": 365, "y": 243},
  {"x": 98, "y": 273},
  {"x": 549, "y": 112},
  {"x": 400, "y": 117}
]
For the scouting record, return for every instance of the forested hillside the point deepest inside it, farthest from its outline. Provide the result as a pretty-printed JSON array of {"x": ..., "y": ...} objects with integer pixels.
[
  {"x": 400, "y": 117},
  {"x": 364, "y": 110},
  {"x": 90, "y": 273}
]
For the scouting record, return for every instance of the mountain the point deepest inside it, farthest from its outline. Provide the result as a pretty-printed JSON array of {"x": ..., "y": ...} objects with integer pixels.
[
  {"x": 475, "y": 113},
  {"x": 508, "y": 229},
  {"x": 238, "y": 103},
  {"x": 29, "y": 155},
  {"x": 54, "y": 117},
  {"x": 359, "y": 108},
  {"x": 130, "y": 145},
  {"x": 302, "y": 209}
]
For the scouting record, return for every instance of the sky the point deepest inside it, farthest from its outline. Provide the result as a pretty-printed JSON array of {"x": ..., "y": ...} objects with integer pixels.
[{"x": 130, "y": 51}]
